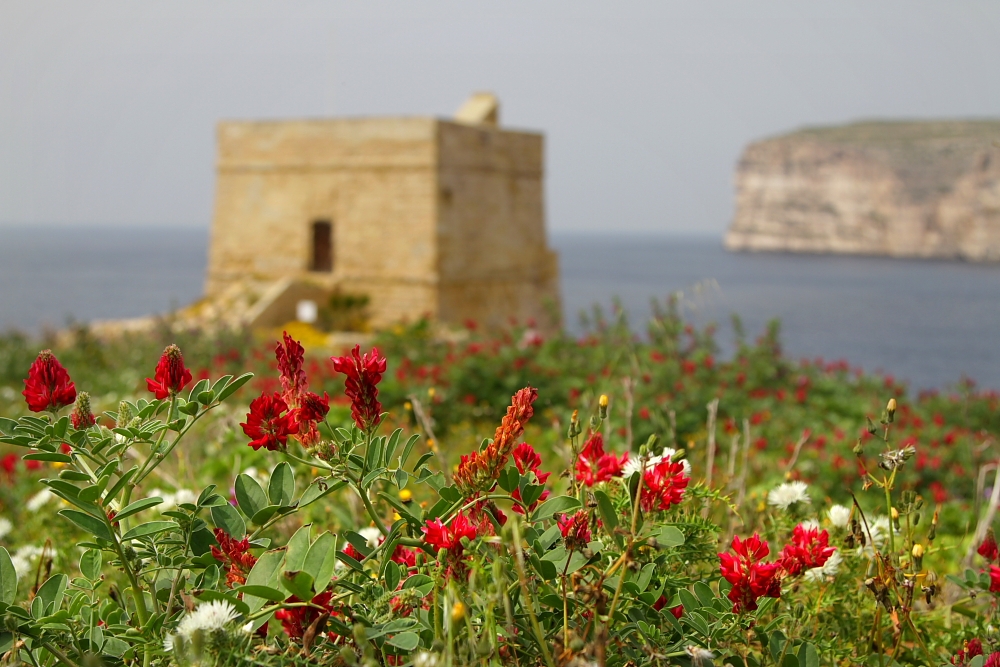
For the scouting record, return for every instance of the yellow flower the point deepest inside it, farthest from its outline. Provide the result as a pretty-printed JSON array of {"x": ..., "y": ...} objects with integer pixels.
[
  {"x": 405, "y": 495},
  {"x": 458, "y": 611}
]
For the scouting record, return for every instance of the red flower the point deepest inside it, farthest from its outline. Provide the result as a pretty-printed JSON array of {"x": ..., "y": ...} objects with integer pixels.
[
  {"x": 9, "y": 464},
  {"x": 48, "y": 386},
  {"x": 972, "y": 648},
  {"x": 478, "y": 471},
  {"x": 171, "y": 374},
  {"x": 663, "y": 486},
  {"x": 293, "y": 378},
  {"x": 440, "y": 536},
  {"x": 594, "y": 465},
  {"x": 296, "y": 621},
  {"x": 312, "y": 410},
  {"x": 750, "y": 576},
  {"x": 82, "y": 417},
  {"x": 236, "y": 554},
  {"x": 526, "y": 458},
  {"x": 268, "y": 423},
  {"x": 988, "y": 549},
  {"x": 575, "y": 530},
  {"x": 994, "y": 579},
  {"x": 363, "y": 373},
  {"x": 809, "y": 548}
]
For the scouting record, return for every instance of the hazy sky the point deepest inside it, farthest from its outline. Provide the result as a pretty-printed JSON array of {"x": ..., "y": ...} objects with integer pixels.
[{"x": 107, "y": 109}]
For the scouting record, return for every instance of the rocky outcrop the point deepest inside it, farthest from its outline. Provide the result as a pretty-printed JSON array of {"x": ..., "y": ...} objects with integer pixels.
[{"x": 907, "y": 189}]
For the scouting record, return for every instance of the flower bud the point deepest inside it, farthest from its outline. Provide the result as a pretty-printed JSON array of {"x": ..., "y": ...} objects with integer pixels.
[
  {"x": 406, "y": 495},
  {"x": 602, "y": 405},
  {"x": 918, "y": 556},
  {"x": 858, "y": 449},
  {"x": 348, "y": 655},
  {"x": 82, "y": 417},
  {"x": 890, "y": 409},
  {"x": 871, "y": 425}
]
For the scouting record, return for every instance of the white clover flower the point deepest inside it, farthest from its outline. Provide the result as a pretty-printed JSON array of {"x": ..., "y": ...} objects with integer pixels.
[
  {"x": 426, "y": 659},
  {"x": 788, "y": 494},
  {"x": 634, "y": 464},
  {"x": 828, "y": 570},
  {"x": 207, "y": 618},
  {"x": 38, "y": 501},
  {"x": 810, "y": 524},
  {"x": 372, "y": 535},
  {"x": 5, "y": 527},
  {"x": 839, "y": 515},
  {"x": 182, "y": 496}
]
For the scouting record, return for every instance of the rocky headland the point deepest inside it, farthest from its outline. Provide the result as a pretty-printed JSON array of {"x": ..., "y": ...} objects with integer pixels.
[{"x": 905, "y": 189}]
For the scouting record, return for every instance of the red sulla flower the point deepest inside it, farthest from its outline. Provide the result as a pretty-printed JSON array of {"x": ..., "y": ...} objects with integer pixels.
[
  {"x": 363, "y": 374},
  {"x": 594, "y": 465},
  {"x": 994, "y": 579},
  {"x": 171, "y": 374},
  {"x": 81, "y": 416},
  {"x": 988, "y": 549},
  {"x": 296, "y": 620},
  {"x": 663, "y": 486},
  {"x": 269, "y": 423},
  {"x": 972, "y": 648},
  {"x": 526, "y": 458},
  {"x": 575, "y": 530},
  {"x": 312, "y": 410},
  {"x": 809, "y": 548},
  {"x": 290, "y": 354},
  {"x": 236, "y": 554},
  {"x": 750, "y": 576},
  {"x": 440, "y": 536},
  {"x": 48, "y": 386}
]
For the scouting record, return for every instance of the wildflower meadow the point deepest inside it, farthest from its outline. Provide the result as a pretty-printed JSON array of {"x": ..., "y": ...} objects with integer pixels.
[{"x": 491, "y": 498}]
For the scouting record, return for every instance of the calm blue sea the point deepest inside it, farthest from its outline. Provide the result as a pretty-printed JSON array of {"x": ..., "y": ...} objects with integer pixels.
[{"x": 927, "y": 322}]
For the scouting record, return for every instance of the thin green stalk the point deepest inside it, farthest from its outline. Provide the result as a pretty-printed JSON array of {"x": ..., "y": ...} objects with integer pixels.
[
  {"x": 59, "y": 655},
  {"x": 523, "y": 579}
]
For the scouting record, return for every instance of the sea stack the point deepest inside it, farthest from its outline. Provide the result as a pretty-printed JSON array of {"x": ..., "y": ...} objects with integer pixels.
[{"x": 903, "y": 189}]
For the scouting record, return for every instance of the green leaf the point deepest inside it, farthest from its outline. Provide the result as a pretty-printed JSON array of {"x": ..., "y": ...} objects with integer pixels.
[
  {"x": 556, "y": 505},
  {"x": 808, "y": 655},
  {"x": 90, "y": 564},
  {"x": 264, "y": 592},
  {"x": 408, "y": 447},
  {"x": 89, "y": 523},
  {"x": 321, "y": 560},
  {"x": 319, "y": 488},
  {"x": 200, "y": 386},
  {"x": 52, "y": 591},
  {"x": 670, "y": 536},
  {"x": 390, "y": 447},
  {"x": 250, "y": 495},
  {"x": 228, "y": 519},
  {"x": 299, "y": 584},
  {"x": 138, "y": 506},
  {"x": 48, "y": 456},
  {"x": 120, "y": 484},
  {"x": 147, "y": 529},
  {"x": 265, "y": 573},
  {"x": 607, "y": 510},
  {"x": 281, "y": 488},
  {"x": 391, "y": 576},
  {"x": 297, "y": 549},
  {"x": 421, "y": 582},
  {"x": 264, "y": 515},
  {"x": 8, "y": 578},
  {"x": 232, "y": 387},
  {"x": 406, "y": 641}
]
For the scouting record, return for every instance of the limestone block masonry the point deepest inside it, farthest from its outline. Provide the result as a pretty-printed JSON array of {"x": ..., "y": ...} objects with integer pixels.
[
  {"x": 907, "y": 189},
  {"x": 425, "y": 216}
]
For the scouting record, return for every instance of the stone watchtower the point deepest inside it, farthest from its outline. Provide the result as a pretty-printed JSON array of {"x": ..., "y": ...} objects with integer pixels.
[{"x": 426, "y": 217}]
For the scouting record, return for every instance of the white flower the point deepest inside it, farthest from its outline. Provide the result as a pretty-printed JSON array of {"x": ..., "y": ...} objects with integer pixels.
[
  {"x": 182, "y": 496},
  {"x": 788, "y": 494},
  {"x": 634, "y": 464},
  {"x": 22, "y": 560},
  {"x": 828, "y": 570},
  {"x": 839, "y": 515},
  {"x": 37, "y": 501},
  {"x": 809, "y": 524},
  {"x": 699, "y": 656},
  {"x": 878, "y": 529},
  {"x": 208, "y": 617},
  {"x": 172, "y": 500},
  {"x": 5, "y": 527},
  {"x": 372, "y": 535},
  {"x": 426, "y": 659}
]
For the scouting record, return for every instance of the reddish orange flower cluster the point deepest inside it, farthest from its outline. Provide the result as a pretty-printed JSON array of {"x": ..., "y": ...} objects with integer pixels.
[
  {"x": 236, "y": 554},
  {"x": 663, "y": 486},
  {"x": 296, "y": 620},
  {"x": 478, "y": 471},
  {"x": 439, "y": 535},
  {"x": 171, "y": 374},
  {"x": 988, "y": 549},
  {"x": 809, "y": 548},
  {"x": 269, "y": 423},
  {"x": 594, "y": 465},
  {"x": 972, "y": 648},
  {"x": 363, "y": 373},
  {"x": 575, "y": 530},
  {"x": 400, "y": 555},
  {"x": 82, "y": 417},
  {"x": 750, "y": 576},
  {"x": 306, "y": 408},
  {"x": 526, "y": 458},
  {"x": 48, "y": 386}
]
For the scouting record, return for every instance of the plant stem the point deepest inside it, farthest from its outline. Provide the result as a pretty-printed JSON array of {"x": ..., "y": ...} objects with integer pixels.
[
  {"x": 523, "y": 579},
  {"x": 59, "y": 655}
]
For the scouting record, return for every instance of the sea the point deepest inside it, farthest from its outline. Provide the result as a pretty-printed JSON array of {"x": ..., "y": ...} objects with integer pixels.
[{"x": 928, "y": 323}]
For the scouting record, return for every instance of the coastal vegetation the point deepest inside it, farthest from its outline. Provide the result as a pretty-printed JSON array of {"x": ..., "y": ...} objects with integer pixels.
[{"x": 485, "y": 498}]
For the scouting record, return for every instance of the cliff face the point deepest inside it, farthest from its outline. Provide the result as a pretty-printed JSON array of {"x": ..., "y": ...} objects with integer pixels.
[{"x": 917, "y": 189}]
